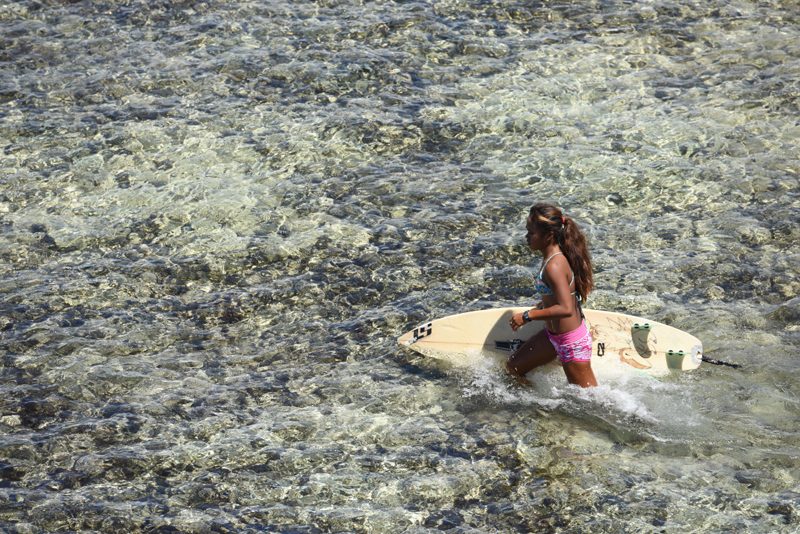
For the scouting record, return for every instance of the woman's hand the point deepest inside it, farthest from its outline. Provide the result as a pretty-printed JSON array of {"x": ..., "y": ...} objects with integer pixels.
[{"x": 517, "y": 321}]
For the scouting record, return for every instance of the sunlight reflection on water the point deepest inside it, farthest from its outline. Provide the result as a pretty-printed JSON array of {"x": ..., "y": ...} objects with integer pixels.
[{"x": 216, "y": 218}]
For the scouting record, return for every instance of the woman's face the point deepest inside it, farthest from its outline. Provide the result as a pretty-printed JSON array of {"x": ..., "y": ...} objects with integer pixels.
[{"x": 536, "y": 241}]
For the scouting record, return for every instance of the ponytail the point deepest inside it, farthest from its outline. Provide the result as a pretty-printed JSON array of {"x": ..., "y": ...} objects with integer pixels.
[{"x": 572, "y": 242}]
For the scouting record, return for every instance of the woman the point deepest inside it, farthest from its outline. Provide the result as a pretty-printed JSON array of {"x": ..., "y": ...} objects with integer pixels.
[{"x": 565, "y": 279}]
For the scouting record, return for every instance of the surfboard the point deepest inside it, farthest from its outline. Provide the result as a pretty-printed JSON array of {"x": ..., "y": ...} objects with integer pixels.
[{"x": 636, "y": 341}]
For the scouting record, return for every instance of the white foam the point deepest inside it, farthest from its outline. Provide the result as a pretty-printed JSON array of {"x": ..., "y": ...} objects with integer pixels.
[{"x": 625, "y": 395}]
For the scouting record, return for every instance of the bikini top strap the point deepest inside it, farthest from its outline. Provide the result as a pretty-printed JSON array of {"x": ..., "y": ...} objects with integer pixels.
[
  {"x": 573, "y": 273},
  {"x": 548, "y": 261}
]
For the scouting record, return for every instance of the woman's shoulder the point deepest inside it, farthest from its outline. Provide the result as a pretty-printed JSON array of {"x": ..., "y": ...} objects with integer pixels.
[{"x": 557, "y": 264}]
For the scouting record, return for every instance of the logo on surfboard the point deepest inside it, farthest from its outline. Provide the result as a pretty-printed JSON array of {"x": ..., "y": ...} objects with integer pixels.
[{"x": 423, "y": 331}]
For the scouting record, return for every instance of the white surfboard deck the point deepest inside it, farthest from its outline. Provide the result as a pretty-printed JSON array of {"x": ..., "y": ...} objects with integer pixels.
[{"x": 639, "y": 342}]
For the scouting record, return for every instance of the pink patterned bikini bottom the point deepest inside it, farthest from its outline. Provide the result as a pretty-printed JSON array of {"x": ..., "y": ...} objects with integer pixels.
[{"x": 575, "y": 346}]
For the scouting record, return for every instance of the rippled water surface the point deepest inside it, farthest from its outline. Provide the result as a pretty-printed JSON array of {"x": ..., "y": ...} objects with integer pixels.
[{"x": 217, "y": 217}]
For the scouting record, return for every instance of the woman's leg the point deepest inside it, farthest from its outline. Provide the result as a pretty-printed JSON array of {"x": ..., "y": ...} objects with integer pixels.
[
  {"x": 533, "y": 353},
  {"x": 580, "y": 373}
]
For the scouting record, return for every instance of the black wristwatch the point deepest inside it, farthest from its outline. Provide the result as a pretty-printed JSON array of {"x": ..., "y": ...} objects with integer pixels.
[{"x": 525, "y": 316}]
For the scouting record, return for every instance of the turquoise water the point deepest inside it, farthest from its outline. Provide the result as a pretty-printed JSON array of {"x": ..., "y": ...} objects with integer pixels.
[{"x": 216, "y": 218}]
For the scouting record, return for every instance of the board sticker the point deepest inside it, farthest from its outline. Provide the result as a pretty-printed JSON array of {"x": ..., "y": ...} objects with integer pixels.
[
  {"x": 508, "y": 346},
  {"x": 423, "y": 331}
]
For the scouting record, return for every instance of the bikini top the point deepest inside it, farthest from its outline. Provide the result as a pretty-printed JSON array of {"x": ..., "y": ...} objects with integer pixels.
[{"x": 540, "y": 285}]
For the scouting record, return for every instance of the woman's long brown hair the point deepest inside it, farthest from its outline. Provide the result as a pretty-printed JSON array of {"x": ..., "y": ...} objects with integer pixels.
[{"x": 549, "y": 218}]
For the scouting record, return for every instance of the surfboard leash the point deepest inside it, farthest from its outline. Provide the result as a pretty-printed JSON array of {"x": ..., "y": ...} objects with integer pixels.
[{"x": 720, "y": 362}]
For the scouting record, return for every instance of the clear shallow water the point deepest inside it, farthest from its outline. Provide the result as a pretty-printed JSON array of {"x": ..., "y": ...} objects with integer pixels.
[{"x": 217, "y": 218}]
